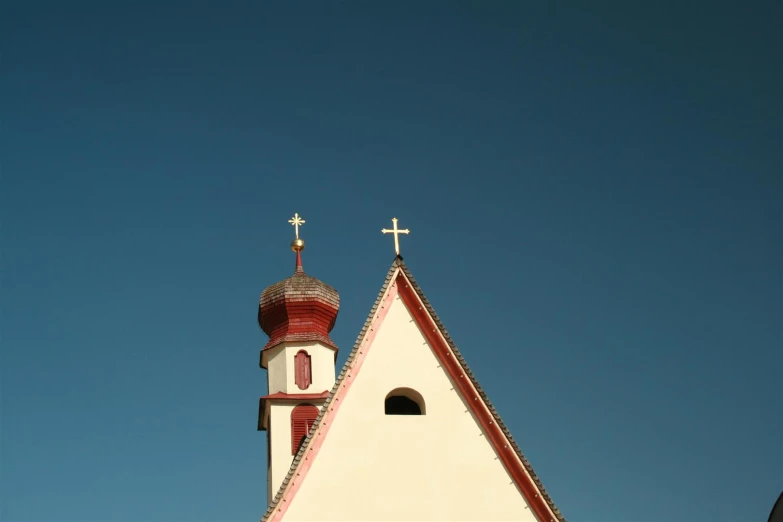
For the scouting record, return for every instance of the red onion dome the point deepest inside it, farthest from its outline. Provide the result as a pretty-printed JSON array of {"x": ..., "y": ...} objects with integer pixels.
[{"x": 300, "y": 308}]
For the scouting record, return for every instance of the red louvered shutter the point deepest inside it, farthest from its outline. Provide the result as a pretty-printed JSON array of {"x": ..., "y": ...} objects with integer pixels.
[
  {"x": 302, "y": 419},
  {"x": 302, "y": 370}
]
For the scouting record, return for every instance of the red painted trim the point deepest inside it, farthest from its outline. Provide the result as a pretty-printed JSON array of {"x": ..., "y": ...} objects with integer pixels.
[
  {"x": 326, "y": 421},
  {"x": 495, "y": 435},
  {"x": 301, "y": 338},
  {"x": 297, "y": 396},
  {"x": 281, "y": 396}
]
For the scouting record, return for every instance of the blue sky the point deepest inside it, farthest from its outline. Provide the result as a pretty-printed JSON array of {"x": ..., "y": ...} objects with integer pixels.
[{"x": 594, "y": 196}]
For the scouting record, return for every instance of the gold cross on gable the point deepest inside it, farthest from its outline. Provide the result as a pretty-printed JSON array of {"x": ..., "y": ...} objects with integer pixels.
[
  {"x": 296, "y": 221},
  {"x": 396, "y": 231}
]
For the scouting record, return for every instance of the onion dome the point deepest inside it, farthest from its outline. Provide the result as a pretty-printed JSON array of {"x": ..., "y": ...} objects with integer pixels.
[{"x": 299, "y": 308}]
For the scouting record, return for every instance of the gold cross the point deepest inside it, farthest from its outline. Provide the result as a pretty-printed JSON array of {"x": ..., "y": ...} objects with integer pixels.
[
  {"x": 296, "y": 221},
  {"x": 396, "y": 231}
]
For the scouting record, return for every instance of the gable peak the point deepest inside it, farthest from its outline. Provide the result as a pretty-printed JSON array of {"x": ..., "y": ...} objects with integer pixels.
[{"x": 400, "y": 284}]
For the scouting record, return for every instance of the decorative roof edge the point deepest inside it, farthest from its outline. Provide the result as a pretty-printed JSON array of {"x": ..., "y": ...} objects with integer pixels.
[
  {"x": 300, "y": 337},
  {"x": 399, "y": 266},
  {"x": 283, "y": 396}
]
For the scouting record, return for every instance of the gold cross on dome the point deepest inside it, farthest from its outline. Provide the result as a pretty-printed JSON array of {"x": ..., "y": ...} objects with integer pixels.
[
  {"x": 296, "y": 221},
  {"x": 396, "y": 231}
]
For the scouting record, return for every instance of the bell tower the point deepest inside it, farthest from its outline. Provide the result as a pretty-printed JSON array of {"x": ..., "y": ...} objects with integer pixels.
[{"x": 297, "y": 314}]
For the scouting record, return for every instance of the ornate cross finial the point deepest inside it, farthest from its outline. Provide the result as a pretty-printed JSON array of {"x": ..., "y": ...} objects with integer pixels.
[
  {"x": 296, "y": 221},
  {"x": 297, "y": 245},
  {"x": 396, "y": 231}
]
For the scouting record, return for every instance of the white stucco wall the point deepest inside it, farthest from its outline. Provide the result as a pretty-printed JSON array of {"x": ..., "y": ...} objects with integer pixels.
[
  {"x": 280, "y": 367},
  {"x": 280, "y": 443},
  {"x": 279, "y": 433},
  {"x": 435, "y": 467}
]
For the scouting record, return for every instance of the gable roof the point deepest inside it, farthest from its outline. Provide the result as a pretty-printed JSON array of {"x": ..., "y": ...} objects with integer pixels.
[{"x": 503, "y": 443}]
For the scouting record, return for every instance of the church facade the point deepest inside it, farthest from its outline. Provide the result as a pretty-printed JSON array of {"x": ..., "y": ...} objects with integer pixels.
[{"x": 403, "y": 433}]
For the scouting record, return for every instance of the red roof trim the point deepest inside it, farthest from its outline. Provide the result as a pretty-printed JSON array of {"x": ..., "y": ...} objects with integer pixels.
[
  {"x": 457, "y": 373},
  {"x": 297, "y": 396},
  {"x": 282, "y": 396},
  {"x": 305, "y": 337},
  {"x": 292, "y": 319}
]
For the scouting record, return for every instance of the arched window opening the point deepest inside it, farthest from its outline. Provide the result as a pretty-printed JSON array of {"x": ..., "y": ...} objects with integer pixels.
[
  {"x": 302, "y": 370},
  {"x": 401, "y": 406},
  {"x": 404, "y": 401},
  {"x": 302, "y": 419}
]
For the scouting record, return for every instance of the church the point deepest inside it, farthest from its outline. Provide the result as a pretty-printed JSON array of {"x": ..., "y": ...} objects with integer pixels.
[{"x": 403, "y": 433}]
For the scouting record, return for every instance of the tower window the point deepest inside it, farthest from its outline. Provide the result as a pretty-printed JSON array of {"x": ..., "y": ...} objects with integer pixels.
[
  {"x": 302, "y": 419},
  {"x": 303, "y": 375},
  {"x": 404, "y": 401}
]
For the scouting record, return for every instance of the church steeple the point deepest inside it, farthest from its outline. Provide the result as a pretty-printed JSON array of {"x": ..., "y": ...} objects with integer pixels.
[
  {"x": 297, "y": 314},
  {"x": 299, "y": 308}
]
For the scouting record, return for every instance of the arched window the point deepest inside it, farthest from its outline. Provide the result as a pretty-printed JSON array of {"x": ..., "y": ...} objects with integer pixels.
[
  {"x": 302, "y": 370},
  {"x": 404, "y": 401},
  {"x": 302, "y": 419}
]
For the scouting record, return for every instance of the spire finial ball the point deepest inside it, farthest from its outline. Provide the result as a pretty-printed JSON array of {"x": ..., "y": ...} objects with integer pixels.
[{"x": 297, "y": 245}]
